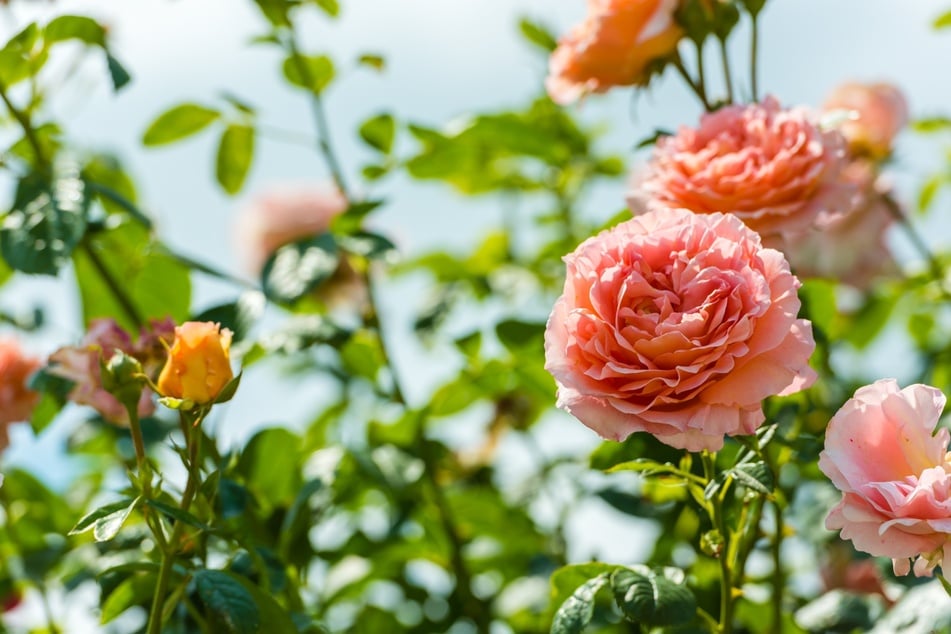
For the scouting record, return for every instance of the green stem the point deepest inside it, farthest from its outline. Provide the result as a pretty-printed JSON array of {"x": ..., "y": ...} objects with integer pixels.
[
  {"x": 693, "y": 85},
  {"x": 937, "y": 271},
  {"x": 719, "y": 524},
  {"x": 115, "y": 288},
  {"x": 754, "y": 55},
  {"x": 701, "y": 76},
  {"x": 728, "y": 78},
  {"x": 24, "y": 120},
  {"x": 779, "y": 575}
]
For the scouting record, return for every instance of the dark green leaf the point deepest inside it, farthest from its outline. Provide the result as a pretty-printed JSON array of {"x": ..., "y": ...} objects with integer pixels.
[
  {"x": 351, "y": 220},
  {"x": 929, "y": 125},
  {"x": 755, "y": 475},
  {"x": 378, "y": 132},
  {"x": 267, "y": 448},
  {"x": 537, "y": 34},
  {"x": 178, "y": 123},
  {"x": 117, "y": 72},
  {"x": 575, "y": 613},
  {"x": 297, "y": 268},
  {"x": 652, "y": 599},
  {"x": 235, "y": 153},
  {"x": 368, "y": 245},
  {"x": 303, "y": 332},
  {"x": 310, "y": 72},
  {"x": 518, "y": 335},
  {"x": 231, "y": 606}
]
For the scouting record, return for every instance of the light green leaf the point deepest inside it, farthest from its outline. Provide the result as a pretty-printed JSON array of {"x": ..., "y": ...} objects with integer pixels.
[
  {"x": 235, "y": 153},
  {"x": 378, "y": 132},
  {"x": 537, "y": 34},
  {"x": 178, "y": 123},
  {"x": 330, "y": 7},
  {"x": 75, "y": 27},
  {"x": 942, "y": 21},
  {"x": 310, "y": 72}
]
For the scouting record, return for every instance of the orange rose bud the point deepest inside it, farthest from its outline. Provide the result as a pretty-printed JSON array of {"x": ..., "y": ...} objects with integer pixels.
[{"x": 198, "y": 365}]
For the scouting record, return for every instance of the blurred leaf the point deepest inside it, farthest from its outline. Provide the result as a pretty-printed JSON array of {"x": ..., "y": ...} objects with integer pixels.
[
  {"x": 267, "y": 448},
  {"x": 928, "y": 125},
  {"x": 298, "y": 268},
  {"x": 178, "y": 123},
  {"x": 235, "y": 153},
  {"x": 929, "y": 190},
  {"x": 351, "y": 220},
  {"x": 942, "y": 21},
  {"x": 300, "y": 333},
  {"x": 455, "y": 396},
  {"x": 841, "y": 611},
  {"x": 48, "y": 136},
  {"x": 576, "y": 612},
  {"x": 819, "y": 303},
  {"x": 67, "y": 27},
  {"x": 517, "y": 335},
  {"x": 231, "y": 606},
  {"x": 871, "y": 318},
  {"x": 755, "y": 475},
  {"x": 136, "y": 590},
  {"x": 21, "y": 57},
  {"x": 271, "y": 612},
  {"x": 376, "y": 62},
  {"x": 362, "y": 356},
  {"x": 378, "y": 132},
  {"x": 368, "y": 245},
  {"x": 537, "y": 34},
  {"x": 46, "y": 223},
  {"x": 117, "y": 72},
  {"x": 652, "y": 599},
  {"x": 275, "y": 11},
  {"x": 238, "y": 316},
  {"x": 310, "y": 72},
  {"x": 330, "y": 7}
]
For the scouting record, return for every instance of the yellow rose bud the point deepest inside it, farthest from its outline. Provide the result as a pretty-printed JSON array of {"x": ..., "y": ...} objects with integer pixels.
[{"x": 198, "y": 365}]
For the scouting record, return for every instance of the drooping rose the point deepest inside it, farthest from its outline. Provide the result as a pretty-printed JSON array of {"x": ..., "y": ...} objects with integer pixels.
[
  {"x": 850, "y": 247},
  {"x": 199, "y": 363},
  {"x": 877, "y": 113},
  {"x": 618, "y": 44},
  {"x": 773, "y": 168},
  {"x": 16, "y": 399},
  {"x": 283, "y": 216},
  {"x": 80, "y": 364},
  {"x": 677, "y": 324},
  {"x": 882, "y": 452}
]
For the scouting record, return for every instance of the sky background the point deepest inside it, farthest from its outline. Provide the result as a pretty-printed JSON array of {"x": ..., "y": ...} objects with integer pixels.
[{"x": 445, "y": 59}]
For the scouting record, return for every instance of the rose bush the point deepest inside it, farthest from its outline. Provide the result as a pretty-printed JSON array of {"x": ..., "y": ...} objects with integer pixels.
[{"x": 679, "y": 325}]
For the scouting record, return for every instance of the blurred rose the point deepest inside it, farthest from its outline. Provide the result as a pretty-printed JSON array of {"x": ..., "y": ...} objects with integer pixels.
[
  {"x": 618, "y": 44},
  {"x": 849, "y": 247},
  {"x": 677, "y": 324},
  {"x": 16, "y": 399},
  {"x": 878, "y": 112},
  {"x": 199, "y": 363},
  {"x": 773, "y": 168},
  {"x": 281, "y": 217},
  {"x": 841, "y": 570},
  {"x": 80, "y": 364},
  {"x": 882, "y": 453}
]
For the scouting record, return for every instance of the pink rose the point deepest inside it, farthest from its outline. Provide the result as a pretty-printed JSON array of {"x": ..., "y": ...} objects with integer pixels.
[
  {"x": 882, "y": 452},
  {"x": 878, "y": 112},
  {"x": 849, "y": 247},
  {"x": 80, "y": 364},
  {"x": 16, "y": 399},
  {"x": 620, "y": 43},
  {"x": 677, "y": 324},
  {"x": 774, "y": 168}
]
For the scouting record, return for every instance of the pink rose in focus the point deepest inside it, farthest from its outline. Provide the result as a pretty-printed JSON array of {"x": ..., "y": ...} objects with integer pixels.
[
  {"x": 882, "y": 452},
  {"x": 773, "y": 168},
  {"x": 849, "y": 247},
  {"x": 80, "y": 364},
  {"x": 619, "y": 43},
  {"x": 16, "y": 399},
  {"x": 878, "y": 112},
  {"x": 677, "y": 324}
]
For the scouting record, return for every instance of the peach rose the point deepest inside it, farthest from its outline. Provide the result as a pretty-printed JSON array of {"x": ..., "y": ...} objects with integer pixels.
[
  {"x": 80, "y": 364},
  {"x": 16, "y": 399},
  {"x": 199, "y": 363},
  {"x": 878, "y": 112},
  {"x": 677, "y": 324},
  {"x": 882, "y": 452},
  {"x": 851, "y": 246},
  {"x": 773, "y": 168},
  {"x": 618, "y": 44}
]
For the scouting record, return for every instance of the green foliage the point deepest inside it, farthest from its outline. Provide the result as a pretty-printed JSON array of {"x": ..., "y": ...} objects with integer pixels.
[
  {"x": 235, "y": 153},
  {"x": 378, "y": 132},
  {"x": 296, "y": 269},
  {"x": 310, "y": 72},
  {"x": 178, "y": 123}
]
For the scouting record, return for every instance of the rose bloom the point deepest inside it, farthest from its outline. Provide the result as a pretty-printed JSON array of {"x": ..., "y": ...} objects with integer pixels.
[
  {"x": 281, "y": 217},
  {"x": 882, "y": 452},
  {"x": 772, "y": 167},
  {"x": 877, "y": 113},
  {"x": 80, "y": 364},
  {"x": 677, "y": 324},
  {"x": 199, "y": 363},
  {"x": 16, "y": 399},
  {"x": 849, "y": 247},
  {"x": 618, "y": 44}
]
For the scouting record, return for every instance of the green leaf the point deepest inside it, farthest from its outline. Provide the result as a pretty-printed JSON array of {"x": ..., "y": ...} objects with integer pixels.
[
  {"x": 928, "y": 125},
  {"x": 942, "y": 21},
  {"x": 177, "y": 514},
  {"x": 537, "y": 34},
  {"x": 106, "y": 518},
  {"x": 330, "y": 7},
  {"x": 267, "y": 448},
  {"x": 231, "y": 606},
  {"x": 368, "y": 245},
  {"x": 351, "y": 220},
  {"x": 453, "y": 397},
  {"x": 362, "y": 356},
  {"x": 75, "y": 27},
  {"x": 117, "y": 72},
  {"x": 137, "y": 590},
  {"x": 298, "y": 268},
  {"x": 370, "y": 60},
  {"x": 48, "y": 220},
  {"x": 378, "y": 132},
  {"x": 755, "y": 475},
  {"x": 652, "y": 599},
  {"x": 235, "y": 153},
  {"x": 178, "y": 123},
  {"x": 929, "y": 190},
  {"x": 517, "y": 335},
  {"x": 576, "y": 612},
  {"x": 310, "y": 72}
]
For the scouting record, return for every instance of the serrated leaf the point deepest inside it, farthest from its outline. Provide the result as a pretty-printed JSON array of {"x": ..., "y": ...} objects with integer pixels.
[
  {"x": 378, "y": 132},
  {"x": 310, "y": 72},
  {"x": 297, "y": 268},
  {"x": 754, "y": 475},
  {"x": 235, "y": 154},
  {"x": 576, "y": 612},
  {"x": 232, "y": 608},
  {"x": 92, "y": 519},
  {"x": 652, "y": 599},
  {"x": 178, "y": 123}
]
